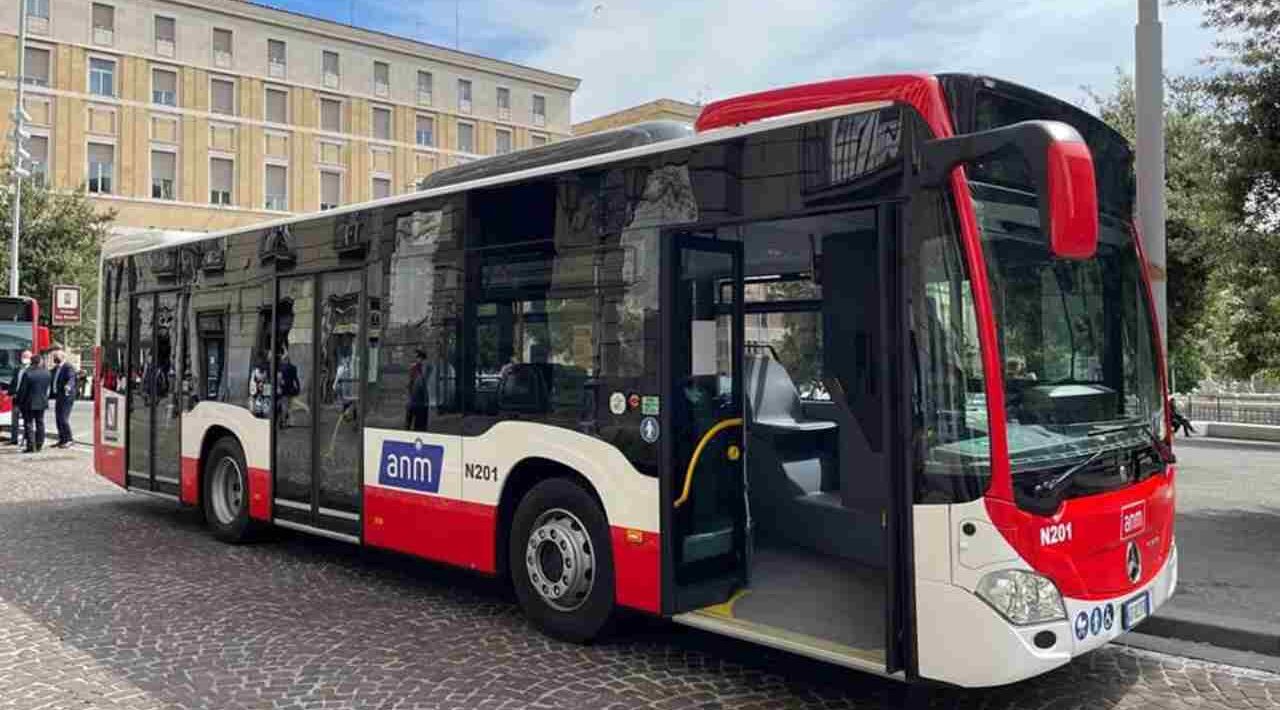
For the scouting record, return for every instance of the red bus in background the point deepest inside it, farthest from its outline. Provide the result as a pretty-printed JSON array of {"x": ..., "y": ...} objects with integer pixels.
[{"x": 20, "y": 330}]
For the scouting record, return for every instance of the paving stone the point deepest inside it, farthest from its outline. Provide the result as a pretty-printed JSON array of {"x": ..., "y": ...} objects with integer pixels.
[{"x": 113, "y": 601}]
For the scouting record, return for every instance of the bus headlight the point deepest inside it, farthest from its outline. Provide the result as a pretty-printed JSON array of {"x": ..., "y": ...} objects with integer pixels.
[{"x": 1022, "y": 597}]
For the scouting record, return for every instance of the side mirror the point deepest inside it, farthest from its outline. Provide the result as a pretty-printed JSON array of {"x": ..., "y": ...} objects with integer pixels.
[{"x": 1061, "y": 168}]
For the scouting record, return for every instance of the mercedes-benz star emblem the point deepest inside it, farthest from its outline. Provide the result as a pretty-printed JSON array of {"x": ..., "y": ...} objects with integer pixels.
[{"x": 1133, "y": 563}]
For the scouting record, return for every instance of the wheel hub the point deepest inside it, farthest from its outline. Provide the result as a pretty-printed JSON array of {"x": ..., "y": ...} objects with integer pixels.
[
  {"x": 560, "y": 560},
  {"x": 228, "y": 491}
]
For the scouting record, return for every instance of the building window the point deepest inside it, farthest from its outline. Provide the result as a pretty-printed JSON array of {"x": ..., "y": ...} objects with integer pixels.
[
  {"x": 425, "y": 133},
  {"x": 464, "y": 96},
  {"x": 104, "y": 24},
  {"x": 102, "y": 77},
  {"x": 504, "y": 142},
  {"x": 424, "y": 87},
  {"x": 277, "y": 187},
  {"x": 537, "y": 139},
  {"x": 539, "y": 110},
  {"x": 276, "y": 62},
  {"x": 166, "y": 36},
  {"x": 466, "y": 138},
  {"x": 331, "y": 115},
  {"x": 222, "y": 180},
  {"x": 330, "y": 189},
  {"x": 222, "y": 96},
  {"x": 382, "y": 123},
  {"x": 102, "y": 158},
  {"x": 164, "y": 175},
  {"x": 222, "y": 48},
  {"x": 332, "y": 70},
  {"x": 381, "y": 188},
  {"x": 38, "y": 147},
  {"x": 504, "y": 104},
  {"x": 381, "y": 78},
  {"x": 35, "y": 69},
  {"x": 164, "y": 87},
  {"x": 277, "y": 106},
  {"x": 38, "y": 8}
]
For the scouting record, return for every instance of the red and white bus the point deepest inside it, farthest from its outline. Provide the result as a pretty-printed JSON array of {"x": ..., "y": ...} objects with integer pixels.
[
  {"x": 865, "y": 370},
  {"x": 20, "y": 330}
]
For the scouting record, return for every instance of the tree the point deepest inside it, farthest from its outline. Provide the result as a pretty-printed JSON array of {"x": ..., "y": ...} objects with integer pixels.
[
  {"x": 1246, "y": 84},
  {"x": 1199, "y": 216},
  {"x": 60, "y": 241}
]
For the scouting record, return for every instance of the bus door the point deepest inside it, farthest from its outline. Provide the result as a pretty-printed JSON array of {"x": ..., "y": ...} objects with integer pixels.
[
  {"x": 702, "y": 422},
  {"x": 316, "y": 387},
  {"x": 155, "y": 392}
]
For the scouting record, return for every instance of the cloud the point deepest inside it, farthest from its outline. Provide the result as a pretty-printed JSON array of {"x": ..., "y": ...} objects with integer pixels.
[{"x": 631, "y": 51}]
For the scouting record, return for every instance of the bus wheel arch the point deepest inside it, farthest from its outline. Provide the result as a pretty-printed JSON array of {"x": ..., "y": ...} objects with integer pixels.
[
  {"x": 222, "y": 467},
  {"x": 541, "y": 498}
]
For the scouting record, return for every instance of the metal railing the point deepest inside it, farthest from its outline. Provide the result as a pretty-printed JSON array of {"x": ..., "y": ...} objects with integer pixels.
[{"x": 1226, "y": 408}]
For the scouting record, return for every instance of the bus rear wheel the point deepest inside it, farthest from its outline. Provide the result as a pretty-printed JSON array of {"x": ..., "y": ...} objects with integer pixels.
[
  {"x": 560, "y": 561},
  {"x": 226, "y": 492}
]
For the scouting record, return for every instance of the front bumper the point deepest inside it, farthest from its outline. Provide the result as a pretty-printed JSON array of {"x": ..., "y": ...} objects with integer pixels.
[{"x": 1094, "y": 623}]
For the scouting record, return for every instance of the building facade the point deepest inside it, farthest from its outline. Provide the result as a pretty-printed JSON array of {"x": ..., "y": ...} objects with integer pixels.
[
  {"x": 658, "y": 110},
  {"x": 196, "y": 116}
]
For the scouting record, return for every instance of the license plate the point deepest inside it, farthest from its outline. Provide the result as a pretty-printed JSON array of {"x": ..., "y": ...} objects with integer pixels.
[{"x": 1135, "y": 610}]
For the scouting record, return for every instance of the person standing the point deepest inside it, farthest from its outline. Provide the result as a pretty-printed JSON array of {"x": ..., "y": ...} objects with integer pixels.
[
  {"x": 33, "y": 394},
  {"x": 418, "y": 404},
  {"x": 64, "y": 397},
  {"x": 15, "y": 411}
]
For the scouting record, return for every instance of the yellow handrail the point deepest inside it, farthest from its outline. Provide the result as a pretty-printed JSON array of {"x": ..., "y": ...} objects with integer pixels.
[{"x": 697, "y": 453}]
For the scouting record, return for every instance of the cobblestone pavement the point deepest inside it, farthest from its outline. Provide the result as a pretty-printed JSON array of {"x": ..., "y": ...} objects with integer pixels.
[{"x": 109, "y": 600}]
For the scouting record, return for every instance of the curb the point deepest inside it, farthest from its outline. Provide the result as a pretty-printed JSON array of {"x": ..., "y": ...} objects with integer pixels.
[
  {"x": 1215, "y": 629},
  {"x": 1216, "y": 442}
]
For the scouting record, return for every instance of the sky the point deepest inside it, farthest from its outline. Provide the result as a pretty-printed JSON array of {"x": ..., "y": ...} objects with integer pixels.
[{"x": 628, "y": 52}]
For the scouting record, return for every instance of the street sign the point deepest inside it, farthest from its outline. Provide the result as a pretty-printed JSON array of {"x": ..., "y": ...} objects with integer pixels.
[{"x": 66, "y": 305}]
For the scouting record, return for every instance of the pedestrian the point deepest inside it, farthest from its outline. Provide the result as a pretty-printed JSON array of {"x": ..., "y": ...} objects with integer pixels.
[
  {"x": 290, "y": 388},
  {"x": 15, "y": 413},
  {"x": 64, "y": 397},
  {"x": 33, "y": 395},
  {"x": 1179, "y": 421},
  {"x": 418, "y": 404}
]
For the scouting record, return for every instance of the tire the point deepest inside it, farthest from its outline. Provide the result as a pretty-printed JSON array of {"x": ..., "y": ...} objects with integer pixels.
[
  {"x": 225, "y": 475},
  {"x": 563, "y": 517}
]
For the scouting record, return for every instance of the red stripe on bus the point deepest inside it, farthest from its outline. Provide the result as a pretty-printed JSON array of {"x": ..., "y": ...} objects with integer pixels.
[
  {"x": 637, "y": 569},
  {"x": 452, "y": 531},
  {"x": 190, "y": 477},
  {"x": 259, "y": 493},
  {"x": 109, "y": 462}
]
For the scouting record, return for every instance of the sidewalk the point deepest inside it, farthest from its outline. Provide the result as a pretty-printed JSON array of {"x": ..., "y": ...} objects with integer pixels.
[{"x": 1228, "y": 534}]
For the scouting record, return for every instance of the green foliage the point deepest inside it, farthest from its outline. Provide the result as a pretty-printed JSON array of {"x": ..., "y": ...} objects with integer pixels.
[
  {"x": 60, "y": 241},
  {"x": 1246, "y": 86}
]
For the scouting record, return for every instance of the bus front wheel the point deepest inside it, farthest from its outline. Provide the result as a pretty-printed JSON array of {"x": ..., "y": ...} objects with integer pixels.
[
  {"x": 226, "y": 492},
  {"x": 560, "y": 561}
]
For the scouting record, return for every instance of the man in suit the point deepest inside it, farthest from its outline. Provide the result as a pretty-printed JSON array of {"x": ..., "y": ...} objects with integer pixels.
[
  {"x": 15, "y": 412},
  {"x": 64, "y": 397},
  {"x": 33, "y": 395}
]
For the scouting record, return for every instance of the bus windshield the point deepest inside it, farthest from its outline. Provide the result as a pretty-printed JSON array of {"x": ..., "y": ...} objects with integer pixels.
[{"x": 1076, "y": 337}]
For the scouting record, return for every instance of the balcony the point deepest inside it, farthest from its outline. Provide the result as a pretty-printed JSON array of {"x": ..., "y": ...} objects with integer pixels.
[
  {"x": 464, "y": 105},
  {"x": 164, "y": 47},
  {"x": 381, "y": 89},
  {"x": 276, "y": 69},
  {"x": 37, "y": 25},
  {"x": 424, "y": 97},
  {"x": 222, "y": 59},
  {"x": 540, "y": 119},
  {"x": 104, "y": 36},
  {"x": 331, "y": 80}
]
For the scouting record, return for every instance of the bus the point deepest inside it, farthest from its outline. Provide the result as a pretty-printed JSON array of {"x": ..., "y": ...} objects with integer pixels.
[
  {"x": 20, "y": 331},
  {"x": 865, "y": 370}
]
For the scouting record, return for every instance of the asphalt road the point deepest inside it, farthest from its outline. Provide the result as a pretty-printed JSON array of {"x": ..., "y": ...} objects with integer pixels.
[
  {"x": 113, "y": 600},
  {"x": 1228, "y": 529}
]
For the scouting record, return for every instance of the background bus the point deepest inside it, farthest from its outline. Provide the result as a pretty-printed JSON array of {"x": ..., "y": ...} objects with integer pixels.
[
  {"x": 20, "y": 330},
  {"x": 874, "y": 380}
]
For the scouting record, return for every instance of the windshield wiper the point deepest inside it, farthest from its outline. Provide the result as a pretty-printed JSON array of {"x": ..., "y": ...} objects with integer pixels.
[
  {"x": 1166, "y": 456},
  {"x": 1046, "y": 487}
]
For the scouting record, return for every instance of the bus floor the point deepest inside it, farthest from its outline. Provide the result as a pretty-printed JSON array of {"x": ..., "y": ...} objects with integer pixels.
[{"x": 814, "y": 595}]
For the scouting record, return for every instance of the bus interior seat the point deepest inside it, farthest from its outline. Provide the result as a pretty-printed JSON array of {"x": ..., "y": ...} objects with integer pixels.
[{"x": 793, "y": 470}]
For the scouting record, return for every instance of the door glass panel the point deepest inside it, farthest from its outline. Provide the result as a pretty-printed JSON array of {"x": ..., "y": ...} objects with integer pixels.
[
  {"x": 295, "y": 339},
  {"x": 166, "y": 389},
  {"x": 141, "y": 367},
  {"x": 711, "y": 520},
  {"x": 338, "y": 416}
]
